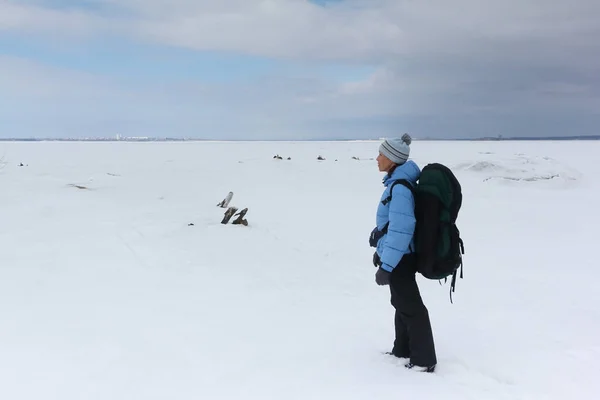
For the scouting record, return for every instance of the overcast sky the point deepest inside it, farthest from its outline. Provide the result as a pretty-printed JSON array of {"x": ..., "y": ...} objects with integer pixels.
[{"x": 299, "y": 69}]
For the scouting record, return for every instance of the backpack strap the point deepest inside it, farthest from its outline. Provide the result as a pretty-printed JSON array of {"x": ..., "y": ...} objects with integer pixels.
[
  {"x": 385, "y": 201},
  {"x": 404, "y": 183},
  {"x": 453, "y": 282}
]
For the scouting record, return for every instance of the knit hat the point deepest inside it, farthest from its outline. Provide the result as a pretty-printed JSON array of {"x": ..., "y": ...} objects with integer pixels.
[{"x": 397, "y": 150}]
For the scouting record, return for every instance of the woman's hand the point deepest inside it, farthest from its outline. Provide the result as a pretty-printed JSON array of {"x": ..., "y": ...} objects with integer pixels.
[{"x": 382, "y": 277}]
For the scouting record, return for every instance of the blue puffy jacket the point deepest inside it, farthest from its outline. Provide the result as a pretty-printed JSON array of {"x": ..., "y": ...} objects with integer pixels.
[{"x": 399, "y": 212}]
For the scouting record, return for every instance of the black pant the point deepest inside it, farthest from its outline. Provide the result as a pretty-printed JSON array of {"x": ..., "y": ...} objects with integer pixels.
[{"x": 414, "y": 337}]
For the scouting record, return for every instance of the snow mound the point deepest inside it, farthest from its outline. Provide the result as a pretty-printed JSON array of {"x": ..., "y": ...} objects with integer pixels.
[{"x": 520, "y": 168}]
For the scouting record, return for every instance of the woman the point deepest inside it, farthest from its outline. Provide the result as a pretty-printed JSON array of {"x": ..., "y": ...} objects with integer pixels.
[{"x": 393, "y": 238}]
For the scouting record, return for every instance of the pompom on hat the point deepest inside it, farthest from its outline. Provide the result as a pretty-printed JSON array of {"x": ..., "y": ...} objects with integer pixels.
[{"x": 397, "y": 150}]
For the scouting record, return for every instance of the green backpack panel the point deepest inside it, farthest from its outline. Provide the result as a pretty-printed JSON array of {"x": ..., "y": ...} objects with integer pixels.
[{"x": 438, "y": 247}]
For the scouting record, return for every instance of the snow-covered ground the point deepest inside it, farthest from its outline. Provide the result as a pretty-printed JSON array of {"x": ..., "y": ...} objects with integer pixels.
[{"x": 107, "y": 292}]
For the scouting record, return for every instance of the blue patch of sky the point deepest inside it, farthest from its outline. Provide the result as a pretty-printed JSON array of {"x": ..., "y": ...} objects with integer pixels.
[
  {"x": 135, "y": 61},
  {"x": 99, "y": 7},
  {"x": 326, "y": 3},
  {"x": 126, "y": 59}
]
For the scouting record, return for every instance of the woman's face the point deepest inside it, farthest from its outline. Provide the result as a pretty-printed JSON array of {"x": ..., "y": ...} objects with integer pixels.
[{"x": 384, "y": 163}]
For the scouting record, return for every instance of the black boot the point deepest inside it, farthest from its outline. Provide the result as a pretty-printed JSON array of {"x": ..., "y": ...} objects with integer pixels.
[{"x": 429, "y": 369}]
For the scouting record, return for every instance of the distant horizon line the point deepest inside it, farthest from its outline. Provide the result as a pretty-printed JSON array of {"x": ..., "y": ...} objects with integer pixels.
[{"x": 172, "y": 139}]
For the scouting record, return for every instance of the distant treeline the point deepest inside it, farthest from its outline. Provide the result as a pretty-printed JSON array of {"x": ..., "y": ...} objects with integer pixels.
[
  {"x": 93, "y": 140},
  {"x": 593, "y": 137},
  {"x": 540, "y": 138}
]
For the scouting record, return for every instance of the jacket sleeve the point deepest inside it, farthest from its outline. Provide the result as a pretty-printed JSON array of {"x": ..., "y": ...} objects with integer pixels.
[{"x": 401, "y": 228}]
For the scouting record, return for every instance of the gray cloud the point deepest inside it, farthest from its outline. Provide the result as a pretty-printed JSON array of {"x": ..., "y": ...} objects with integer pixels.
[{"x": 459, "y": 68}]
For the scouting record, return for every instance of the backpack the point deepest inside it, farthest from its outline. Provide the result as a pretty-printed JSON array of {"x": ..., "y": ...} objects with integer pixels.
[{"x": 438, "y": 247}]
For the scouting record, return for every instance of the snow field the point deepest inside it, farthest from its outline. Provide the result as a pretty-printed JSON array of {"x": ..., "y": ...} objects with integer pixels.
[{"x": 107, "y": 293}]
